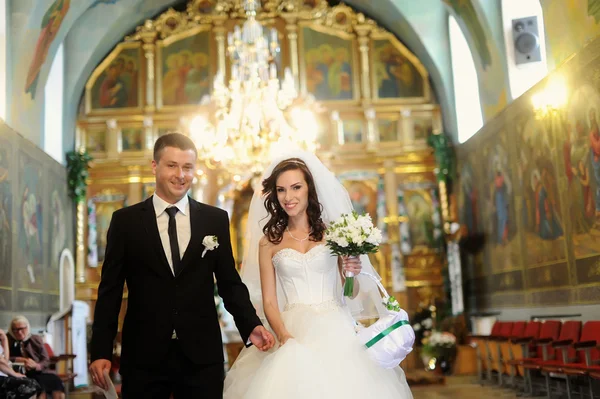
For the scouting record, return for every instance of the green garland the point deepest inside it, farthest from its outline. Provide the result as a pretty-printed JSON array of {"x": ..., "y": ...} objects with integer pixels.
[
  {"x": 444, "y": 156},
  {"x": 77, "y": 168}
]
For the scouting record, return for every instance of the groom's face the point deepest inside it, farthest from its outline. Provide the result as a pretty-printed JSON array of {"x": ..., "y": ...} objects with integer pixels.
[
  {"x": 292, "y": 192},
  {"x": 174, "y": 173}
]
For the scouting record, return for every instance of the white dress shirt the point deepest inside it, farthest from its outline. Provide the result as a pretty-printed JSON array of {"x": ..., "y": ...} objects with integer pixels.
[{"x": 182, "y": 218}]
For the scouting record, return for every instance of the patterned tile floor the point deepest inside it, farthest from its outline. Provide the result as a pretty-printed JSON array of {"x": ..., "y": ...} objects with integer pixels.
[{"x": 461, "y": 387}]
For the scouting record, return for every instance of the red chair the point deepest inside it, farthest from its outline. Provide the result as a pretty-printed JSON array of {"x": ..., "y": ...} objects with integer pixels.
[
  {"x": 493, "y": 350},
  {"x": 549, "y": 331},
  {"x": 479, "y": 343},
  {"x": 588, "y": 356},
  {"x": 503, "y": 349},
  {"x": 563, "y": 352},
  {"x": 519, "y": 347}
]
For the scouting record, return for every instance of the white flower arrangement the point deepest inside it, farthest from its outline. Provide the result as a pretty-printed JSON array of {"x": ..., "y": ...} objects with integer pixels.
[
  {"x": 352, "y": 235},
  {"x": 210, "y": 243}
]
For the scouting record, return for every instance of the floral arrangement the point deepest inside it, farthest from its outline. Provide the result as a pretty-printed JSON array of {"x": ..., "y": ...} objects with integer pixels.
[
  {"x": 352, "y": 235},
  {"x": 439, "y": 344},
  {"x": 422, "y": 324}
]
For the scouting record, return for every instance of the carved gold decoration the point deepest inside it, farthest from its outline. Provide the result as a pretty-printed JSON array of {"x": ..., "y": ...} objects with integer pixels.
[{"x": 80, "y": 251}]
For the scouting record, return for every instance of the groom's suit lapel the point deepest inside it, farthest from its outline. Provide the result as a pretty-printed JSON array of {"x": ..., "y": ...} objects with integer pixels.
[
  {"x": 199, "y": 230},
  {"x": 151, "y": 228}
]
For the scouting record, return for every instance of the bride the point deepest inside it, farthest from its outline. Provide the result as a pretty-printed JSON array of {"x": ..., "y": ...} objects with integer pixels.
[{"x": 297, "y": 284}]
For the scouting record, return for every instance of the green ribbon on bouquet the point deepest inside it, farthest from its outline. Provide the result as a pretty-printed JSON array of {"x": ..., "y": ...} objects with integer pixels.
[{"x": 385, "y": 332}]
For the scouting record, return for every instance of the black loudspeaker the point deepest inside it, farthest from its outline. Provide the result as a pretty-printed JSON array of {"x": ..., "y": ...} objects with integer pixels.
[{"x": 526, "y": 39}]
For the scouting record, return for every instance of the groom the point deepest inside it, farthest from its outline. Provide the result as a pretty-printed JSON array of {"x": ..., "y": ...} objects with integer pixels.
[{"x": 162, "y": 248}]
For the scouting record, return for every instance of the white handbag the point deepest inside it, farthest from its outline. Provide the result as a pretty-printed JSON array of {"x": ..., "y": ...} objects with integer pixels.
[{"x": 390, "y": 339}]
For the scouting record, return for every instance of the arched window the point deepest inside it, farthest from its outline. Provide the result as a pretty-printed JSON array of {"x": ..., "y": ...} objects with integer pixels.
[
  {"x": 466, "y": 85},
  {"x": 3, "y": 56},
  {"x": 53, "y": 107},
  {"x": 523, "y": 75}
]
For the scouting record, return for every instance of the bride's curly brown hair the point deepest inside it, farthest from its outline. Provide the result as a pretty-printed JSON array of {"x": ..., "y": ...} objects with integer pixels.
[{"x": 276, "y": 225}]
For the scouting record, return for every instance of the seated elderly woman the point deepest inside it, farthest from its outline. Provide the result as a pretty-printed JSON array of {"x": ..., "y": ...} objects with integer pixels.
[
  {"x": 29, "y": 349},
  {"x": 12, "y": 384}
]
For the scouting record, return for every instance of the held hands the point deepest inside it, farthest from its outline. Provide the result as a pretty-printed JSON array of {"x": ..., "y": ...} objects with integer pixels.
[
  {"x": 262, "y": 339},
  {"x": 351, "y": 264},
  {"x": 283, "y": 339},
  {"x": 97, "y": 369}
]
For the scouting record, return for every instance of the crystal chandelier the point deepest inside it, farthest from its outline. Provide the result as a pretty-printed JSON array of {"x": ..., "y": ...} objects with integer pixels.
[{"x": 254, "y": 116}]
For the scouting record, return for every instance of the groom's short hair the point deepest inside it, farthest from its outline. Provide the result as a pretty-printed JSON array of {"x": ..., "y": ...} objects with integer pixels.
[{"x": 173, "y": 139}]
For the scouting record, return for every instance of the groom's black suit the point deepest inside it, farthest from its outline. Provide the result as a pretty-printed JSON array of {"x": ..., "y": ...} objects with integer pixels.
[{"x": 159, "y": 302}]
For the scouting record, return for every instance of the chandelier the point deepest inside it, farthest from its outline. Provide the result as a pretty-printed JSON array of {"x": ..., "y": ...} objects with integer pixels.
[{"x": 254, "y": 116}]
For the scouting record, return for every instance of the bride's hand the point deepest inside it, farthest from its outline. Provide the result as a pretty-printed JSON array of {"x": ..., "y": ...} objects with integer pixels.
[
  {"x": 283, "y": 339},
  {"x": 352, "y": 264}
]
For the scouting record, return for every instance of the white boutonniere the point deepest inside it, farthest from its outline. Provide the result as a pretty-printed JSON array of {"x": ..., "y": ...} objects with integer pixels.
[{"x": 210, "y": 243}]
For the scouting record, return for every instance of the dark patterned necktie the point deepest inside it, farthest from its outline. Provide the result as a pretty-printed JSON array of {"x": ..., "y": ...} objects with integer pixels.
[{"x": 172, "y": 211}]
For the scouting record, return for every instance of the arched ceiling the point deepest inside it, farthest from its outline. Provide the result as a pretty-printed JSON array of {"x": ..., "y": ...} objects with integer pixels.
[{"x": 91, "y": 28}]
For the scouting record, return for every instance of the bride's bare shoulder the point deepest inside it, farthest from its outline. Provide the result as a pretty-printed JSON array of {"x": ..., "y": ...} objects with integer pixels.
[{"x": 265, "y": 244}]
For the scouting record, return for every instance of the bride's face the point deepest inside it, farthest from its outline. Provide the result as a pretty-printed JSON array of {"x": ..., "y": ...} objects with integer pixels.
[{"x": 292, "y": 192}]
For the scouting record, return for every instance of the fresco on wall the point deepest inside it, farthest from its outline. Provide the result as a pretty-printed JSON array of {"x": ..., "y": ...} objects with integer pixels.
[
  {"x": 581, "y": 145},
  {"x": 541, "y": 216},
  {"x": 118, "y": 85},
  {"x": 469, "y": 199},
  {"x": 186, "y": 70},
  {"x": 132, "y": 139},
  {"x": 419, "y": 209},
  {"x": 574, "y": 23},
  {"x": 31, "y": 223},
  {"x": 422, "y": 127},
  {"x": 328, "y": 66},
  {"x": 5, "y": 215},
  {"x": 363, "y": 195},
  {"x": 95, "y": 140},
  {"x": 59, "y": 218},
  {"x": 51, "y": 23},
  {"x": 396, "y": 76},
  {"x": 497, "y": 191},
  {"x": 353, "y": 131},
  {"x": 388, "y": 129}
]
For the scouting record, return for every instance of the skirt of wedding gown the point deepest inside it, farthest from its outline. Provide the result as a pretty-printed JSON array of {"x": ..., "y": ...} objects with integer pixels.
[{"x": 324, "y": 360}]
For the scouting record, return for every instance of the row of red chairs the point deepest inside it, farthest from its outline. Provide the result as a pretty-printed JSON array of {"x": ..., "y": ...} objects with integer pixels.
[{"x": 555, "y": 350}]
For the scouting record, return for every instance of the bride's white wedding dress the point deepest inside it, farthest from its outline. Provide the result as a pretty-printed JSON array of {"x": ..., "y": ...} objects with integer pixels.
[{"x": 325, "y": 359}]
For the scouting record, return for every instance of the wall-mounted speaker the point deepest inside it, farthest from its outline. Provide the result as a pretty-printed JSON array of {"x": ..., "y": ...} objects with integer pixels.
[{"x": 526, "y": 39}]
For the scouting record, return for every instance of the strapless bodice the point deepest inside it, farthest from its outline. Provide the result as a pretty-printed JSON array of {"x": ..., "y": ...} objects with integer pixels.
[{"x": 307, "y": 278}]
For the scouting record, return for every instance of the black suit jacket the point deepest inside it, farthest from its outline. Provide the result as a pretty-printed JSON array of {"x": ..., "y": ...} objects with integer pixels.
[{"x": 159, "y": 302}]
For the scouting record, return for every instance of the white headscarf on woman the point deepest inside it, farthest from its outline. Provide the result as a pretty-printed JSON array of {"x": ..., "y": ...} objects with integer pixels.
[{"x": 335, "y": 201}]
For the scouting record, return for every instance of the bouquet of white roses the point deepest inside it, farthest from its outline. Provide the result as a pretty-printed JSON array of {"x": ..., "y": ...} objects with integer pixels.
[{"x": 352, "y": 235}]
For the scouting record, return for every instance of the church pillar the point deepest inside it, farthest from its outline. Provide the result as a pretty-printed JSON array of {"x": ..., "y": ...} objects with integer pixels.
[
  {"x": 148, "y": 37},
  {"x": 363, "y": 45},
  {"x": 391, "y": 186}
]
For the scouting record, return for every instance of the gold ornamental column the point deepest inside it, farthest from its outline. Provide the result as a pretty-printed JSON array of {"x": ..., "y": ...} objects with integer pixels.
[
  {"x": 148, "y": 36},
  {"x": 134, "y": 194},
  {"x": 391, "y": 187},
  {"x": 80, "y": 252},
  {"x": 363, "y": 45}
]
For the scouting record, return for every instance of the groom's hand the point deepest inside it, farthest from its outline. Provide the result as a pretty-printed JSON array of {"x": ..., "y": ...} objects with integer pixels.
[
  {"x": 97, "y": 371},
  {"x": 262, "y": 339}
]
